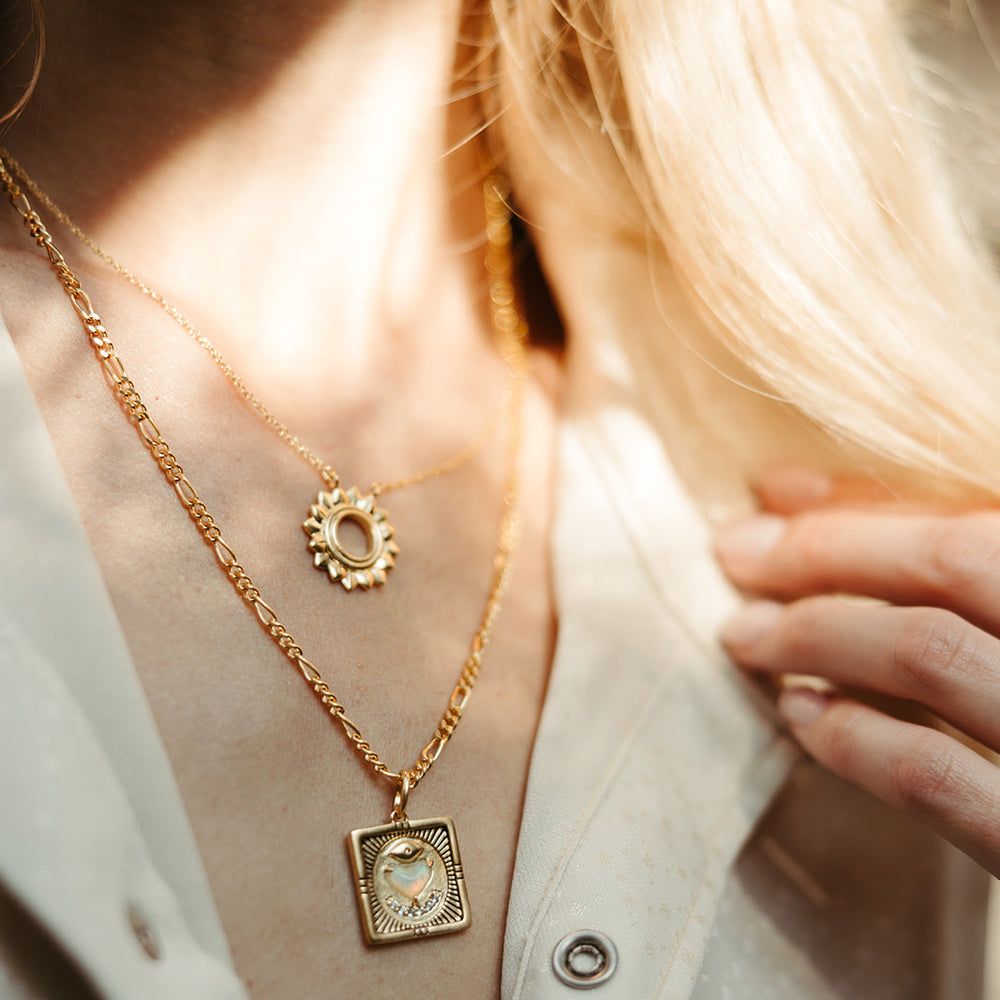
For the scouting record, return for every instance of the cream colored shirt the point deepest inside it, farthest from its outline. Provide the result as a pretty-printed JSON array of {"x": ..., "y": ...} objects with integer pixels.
[{"x": 659, "y": 812}]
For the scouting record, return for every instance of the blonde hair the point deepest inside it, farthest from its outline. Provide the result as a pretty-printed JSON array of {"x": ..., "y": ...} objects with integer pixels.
[
  {"x": 771, "y": 208},
  {"x": 753, "y": 215}
]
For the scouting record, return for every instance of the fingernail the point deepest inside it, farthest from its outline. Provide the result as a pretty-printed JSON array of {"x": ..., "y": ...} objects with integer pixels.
[
  {"x": 751, "y": 623},
  {"x": 801, "y": 484},
  {"x": 802, "y": 706},
  {"x": 749, "y": 541}
]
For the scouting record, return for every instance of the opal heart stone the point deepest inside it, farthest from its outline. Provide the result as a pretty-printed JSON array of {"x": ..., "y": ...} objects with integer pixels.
[{"x": 409, "y": 868}]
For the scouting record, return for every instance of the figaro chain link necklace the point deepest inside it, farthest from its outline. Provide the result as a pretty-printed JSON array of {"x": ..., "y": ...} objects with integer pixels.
[
  {"x": 408, "y": 873},
  {"x": 353, "y": 570}
]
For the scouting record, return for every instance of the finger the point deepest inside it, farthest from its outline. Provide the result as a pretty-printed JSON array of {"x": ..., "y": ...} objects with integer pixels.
[
  {"x": 917, "y": 769},
  {"x": 950, "y": 562},
  {"x": 789, "y": 489},
  {"x": 925, "y": 655}
]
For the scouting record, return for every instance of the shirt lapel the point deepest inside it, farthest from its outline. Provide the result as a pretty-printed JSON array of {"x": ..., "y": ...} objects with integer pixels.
[
  {"x": 62, "y": 654},
  {"x": 654, "y": 758}
]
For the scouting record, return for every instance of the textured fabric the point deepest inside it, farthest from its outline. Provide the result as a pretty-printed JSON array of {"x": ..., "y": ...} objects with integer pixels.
[
  {"x": 652, "y": 760},
  {"x": 75, "y": 853},
  {"x": 839, "y": 897}
]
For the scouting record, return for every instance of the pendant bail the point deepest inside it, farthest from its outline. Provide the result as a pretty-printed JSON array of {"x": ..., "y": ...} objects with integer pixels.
[{"x": 398, "y": 814}]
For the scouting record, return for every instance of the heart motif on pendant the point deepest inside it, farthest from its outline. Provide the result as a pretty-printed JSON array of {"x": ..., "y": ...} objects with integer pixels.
[{"x": 410, "y": 870}]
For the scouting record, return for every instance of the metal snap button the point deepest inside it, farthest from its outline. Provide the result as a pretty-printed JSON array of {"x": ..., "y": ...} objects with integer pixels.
[
  {"x": 585, "y": 959},
  {"x": 143, "y": 932}
]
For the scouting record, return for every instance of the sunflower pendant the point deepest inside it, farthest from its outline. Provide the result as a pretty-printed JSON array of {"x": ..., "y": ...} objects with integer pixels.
[{"x": 350, "y": 569}]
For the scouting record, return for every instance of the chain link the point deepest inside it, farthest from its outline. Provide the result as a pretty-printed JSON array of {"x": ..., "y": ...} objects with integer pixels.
[
  {"x": 284, "y": 433},
  {"x": 512, "y": 333}
]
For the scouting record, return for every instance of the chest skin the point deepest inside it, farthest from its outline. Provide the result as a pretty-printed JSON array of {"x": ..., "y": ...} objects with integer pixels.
[{"x": 271, "y": 786}]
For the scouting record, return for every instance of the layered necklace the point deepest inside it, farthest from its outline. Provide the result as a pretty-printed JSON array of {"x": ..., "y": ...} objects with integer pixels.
[
  {"x": 334, "y": 504},
  {"x": 408, "y": 873}
]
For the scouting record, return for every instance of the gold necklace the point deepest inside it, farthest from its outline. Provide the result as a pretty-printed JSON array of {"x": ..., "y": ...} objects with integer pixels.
[
  {"x": 333, "y": 505},
  {"x": 408, "y": 873}
]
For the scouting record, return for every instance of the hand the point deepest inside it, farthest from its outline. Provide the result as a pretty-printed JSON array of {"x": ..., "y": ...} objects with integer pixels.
[{"x": 934, "y": 642}]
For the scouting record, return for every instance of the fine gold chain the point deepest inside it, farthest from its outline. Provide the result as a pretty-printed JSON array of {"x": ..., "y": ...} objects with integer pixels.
[
  {"x": 284, "y": 433},
  {"x": 509, "y": 325}
]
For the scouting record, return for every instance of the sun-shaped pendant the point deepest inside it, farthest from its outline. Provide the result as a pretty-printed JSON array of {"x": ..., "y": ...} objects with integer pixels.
[{"x": 350, "y": 569}]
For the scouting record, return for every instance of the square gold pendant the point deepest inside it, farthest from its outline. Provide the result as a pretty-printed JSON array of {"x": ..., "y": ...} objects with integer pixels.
[{"x": 410, "y": 880}]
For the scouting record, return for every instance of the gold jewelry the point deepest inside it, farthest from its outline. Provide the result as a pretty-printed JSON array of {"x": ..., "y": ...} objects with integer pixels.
[
  {"x": 334, "y": 504},
  {"x": 409, "y": 876}
]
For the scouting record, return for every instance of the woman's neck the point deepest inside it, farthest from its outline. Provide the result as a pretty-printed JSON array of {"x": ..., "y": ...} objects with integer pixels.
[{"x": 282, "y": 177}]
